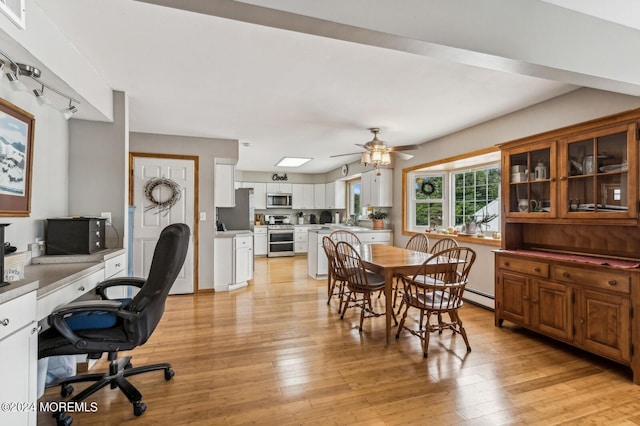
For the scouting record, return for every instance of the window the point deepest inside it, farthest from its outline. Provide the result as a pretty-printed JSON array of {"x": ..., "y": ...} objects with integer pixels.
[
  {"x": 353, "y": 194},
  {"x": 476, "y": 197},
  {"x": 453, "y": 193},
  {"x": 428, "y": 200}
]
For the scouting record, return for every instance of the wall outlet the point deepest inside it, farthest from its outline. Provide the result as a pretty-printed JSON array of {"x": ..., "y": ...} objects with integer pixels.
[
  {"x": 203, "y": 216},
  {"x": 106, "y": 215}
]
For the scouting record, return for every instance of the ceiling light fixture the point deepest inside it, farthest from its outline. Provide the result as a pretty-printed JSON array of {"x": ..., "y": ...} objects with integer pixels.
[
  {"x": 378, "y": 154},
  {"x": 69, "y": 111},
  {"x": 41, "y": 97},
  {"x": 292, "y": 162},
  {"x": 24, "y": 70}
]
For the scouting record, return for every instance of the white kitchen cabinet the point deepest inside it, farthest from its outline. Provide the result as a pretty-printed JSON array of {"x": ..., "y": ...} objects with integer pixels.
[
  {"x": 317, "y": 262},
  {"x": 302, "y": 196},
  {"x": 260, "y": 241},
  {"x": 224, "y": 185},
  {"x": 319, "y": 191},
  {"x": 19, "y": 366},
  {"x": 243, "y": 247},
  {"x": 259, "y": 193},
  {"x": 114, "y": 268},
  {"x": 335, "y": 195},
  {"x": 233, "y": 261},
  {"x": 279, "y": 188},
  {"x": 376, "y": 188},
  {"x": 301, "y": 239}
]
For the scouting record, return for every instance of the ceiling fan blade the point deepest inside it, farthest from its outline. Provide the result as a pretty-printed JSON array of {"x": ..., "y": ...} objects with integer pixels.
[
  {"x": 402, "y": 155},
  {"x": 403, "y": 148},
  {"x": 343, "y": 155}
]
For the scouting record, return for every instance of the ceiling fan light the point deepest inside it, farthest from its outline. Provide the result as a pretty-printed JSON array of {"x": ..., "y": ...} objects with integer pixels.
[
  {"x": 376, "y": 156},
  {"x": 386, "y": 158},
  {"x": 366, "y": 158}
]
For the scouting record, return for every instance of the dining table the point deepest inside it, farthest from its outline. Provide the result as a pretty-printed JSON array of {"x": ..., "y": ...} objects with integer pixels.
[{"x": 388, "y": 261}]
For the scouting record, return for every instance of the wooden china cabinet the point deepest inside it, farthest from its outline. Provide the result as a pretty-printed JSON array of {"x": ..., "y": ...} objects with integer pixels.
[{"x": 569, "y": 263}]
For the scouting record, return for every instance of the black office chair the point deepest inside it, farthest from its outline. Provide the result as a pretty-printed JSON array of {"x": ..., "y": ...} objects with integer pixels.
[{"x": 97, "y": 326}]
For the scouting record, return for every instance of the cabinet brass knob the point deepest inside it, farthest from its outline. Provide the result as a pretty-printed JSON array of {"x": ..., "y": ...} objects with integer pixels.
[
  {"x": 612, "y": 282},
  {"x": 525, "y": 298},
  {"x": 552, "y": 179},
  {"x": 581, "y": 320},
  {"x": 536, "y": 269},
  {"x": 566, "y": 274},
  {"x": 534, "y": 301},
  {"x": 506, "y": 264},
  {"x": 5, "y": 322},
  {"x": 563, "y": 178},
  {"x": 81, "y": 288}
]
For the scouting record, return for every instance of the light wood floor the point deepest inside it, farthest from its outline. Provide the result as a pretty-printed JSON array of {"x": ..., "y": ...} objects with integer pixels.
[{"x": 275, "y": 354}]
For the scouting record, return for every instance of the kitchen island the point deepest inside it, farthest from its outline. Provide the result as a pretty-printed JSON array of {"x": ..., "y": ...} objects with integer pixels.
[{"x": 317, "y": 266}]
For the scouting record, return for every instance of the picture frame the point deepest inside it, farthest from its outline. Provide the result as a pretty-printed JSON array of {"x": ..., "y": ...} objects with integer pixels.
[{"x": 16, "y": 160}]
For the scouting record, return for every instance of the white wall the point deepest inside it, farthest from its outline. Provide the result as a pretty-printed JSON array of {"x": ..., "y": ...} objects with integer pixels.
[
  {"x": 207, "y": 150},
  {"x": 575, "y": 107},
  {"x": 49, "y": 185}
]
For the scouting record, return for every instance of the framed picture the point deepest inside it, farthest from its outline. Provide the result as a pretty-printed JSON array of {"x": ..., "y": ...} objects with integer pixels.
[{"x": 16, "y": 158}]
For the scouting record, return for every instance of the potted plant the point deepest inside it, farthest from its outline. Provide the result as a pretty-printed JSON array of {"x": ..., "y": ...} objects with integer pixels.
[{"x": 378, "y": 216}]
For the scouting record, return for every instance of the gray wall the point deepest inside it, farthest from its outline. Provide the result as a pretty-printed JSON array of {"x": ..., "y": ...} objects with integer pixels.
[
  {"x": 49, "y": 186},
  {"x": 207, "y": 150},
  {"x": 575, "y": 107},
  {"x": 98, "y": 169}
]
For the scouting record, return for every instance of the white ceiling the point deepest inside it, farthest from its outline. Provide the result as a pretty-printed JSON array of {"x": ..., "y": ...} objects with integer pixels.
[{"x": 309, "y": 79}]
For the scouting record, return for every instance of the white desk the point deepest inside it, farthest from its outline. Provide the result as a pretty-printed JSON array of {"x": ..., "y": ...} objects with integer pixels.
[{"x": 26, "y": 302}]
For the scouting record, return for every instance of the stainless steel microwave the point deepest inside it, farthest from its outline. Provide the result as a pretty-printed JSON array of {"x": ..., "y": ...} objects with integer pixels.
[{"x": 278, "y": 201}]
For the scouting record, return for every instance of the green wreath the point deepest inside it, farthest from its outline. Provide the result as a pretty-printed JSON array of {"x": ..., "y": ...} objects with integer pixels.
[
  {"x": 175, "y": 194},
  {"x": 427, "y": 188}
]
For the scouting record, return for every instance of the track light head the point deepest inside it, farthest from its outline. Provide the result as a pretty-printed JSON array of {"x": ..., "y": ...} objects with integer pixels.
[
  {"x": 41, "y": 97},
  {"x": 69, "y": 112},
  {"x": 16, "y": 84}
]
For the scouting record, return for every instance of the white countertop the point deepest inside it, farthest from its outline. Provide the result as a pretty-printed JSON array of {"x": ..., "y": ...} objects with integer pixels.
[{"x": 232, "y": 234}]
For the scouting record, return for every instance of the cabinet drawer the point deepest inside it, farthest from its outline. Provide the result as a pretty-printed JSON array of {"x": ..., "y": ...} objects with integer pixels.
[
  {"x": 260, "y": 230},
  {"x": 375, "y": 237},
  {"x": 242, "y": 242},
  {"x": 16, "y": 313},
  {"x": 618, "y": 281},
  {"x": 114, "y": 265},
  {"x": 525, "y": 266},
  {"x": 300, "y": 237}
]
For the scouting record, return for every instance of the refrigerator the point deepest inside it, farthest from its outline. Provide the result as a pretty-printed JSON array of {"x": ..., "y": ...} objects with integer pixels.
[{"x": 241, "y": 216}]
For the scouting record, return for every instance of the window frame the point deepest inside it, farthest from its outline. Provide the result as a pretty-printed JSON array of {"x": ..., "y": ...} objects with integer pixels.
[{"x": 481, "y": 159}]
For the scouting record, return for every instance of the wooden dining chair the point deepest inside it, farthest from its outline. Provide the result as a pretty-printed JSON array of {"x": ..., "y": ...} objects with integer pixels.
[
  {"x": 419, "y": 242},
  {"x": 335, "y": 278},
  {"x": 443, "y": 244},
  {"x": 360, "y": 283},
  {"x": 437, "y": 293},
  {"x": 344, "y": 235}
]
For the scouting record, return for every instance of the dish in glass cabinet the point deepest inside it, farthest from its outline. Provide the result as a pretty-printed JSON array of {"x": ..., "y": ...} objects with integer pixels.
[{"x": 614, "y": 168}]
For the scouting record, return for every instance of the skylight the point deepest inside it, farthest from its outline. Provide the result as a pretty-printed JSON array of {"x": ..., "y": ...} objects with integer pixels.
[{"x": 292, "y": 162}]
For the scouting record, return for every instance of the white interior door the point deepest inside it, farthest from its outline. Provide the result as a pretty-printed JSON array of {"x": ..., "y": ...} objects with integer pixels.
[{"x": 149, "y": 222}]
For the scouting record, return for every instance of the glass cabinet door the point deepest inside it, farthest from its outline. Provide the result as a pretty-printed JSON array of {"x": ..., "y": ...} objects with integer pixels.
[
  {"x": 531, "y": 182},
  {"x": 595, "y": 177}
]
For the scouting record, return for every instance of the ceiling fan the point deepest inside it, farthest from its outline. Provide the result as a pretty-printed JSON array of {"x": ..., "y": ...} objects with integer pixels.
[{"x": 378, "y": 153}]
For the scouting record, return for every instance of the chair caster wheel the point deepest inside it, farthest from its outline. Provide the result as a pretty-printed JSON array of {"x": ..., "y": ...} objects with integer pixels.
[
  {"x": 139, "y": 408},
  {"x": 66, "y": 390},
  {"x": 168, "y": 374},
  {"x": 64, "y": 420}
]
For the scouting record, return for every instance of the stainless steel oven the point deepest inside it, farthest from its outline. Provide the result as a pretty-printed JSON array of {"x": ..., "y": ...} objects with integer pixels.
[{"x": 280, "y": 241}]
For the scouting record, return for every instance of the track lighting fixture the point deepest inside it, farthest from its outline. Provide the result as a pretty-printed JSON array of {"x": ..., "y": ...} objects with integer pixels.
[
  {"x": 41, "y": 97},
  {"x": 70, "y": 111},
  {"x": 24, "y": 70}
]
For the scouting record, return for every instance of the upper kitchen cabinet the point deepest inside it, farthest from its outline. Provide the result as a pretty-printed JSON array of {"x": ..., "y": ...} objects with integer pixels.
[
  {"x": 582, "y": 173},
  {"x": 224, "y": 185},
  {"x": 376, "y": 188},
  {"x": 302, "y": 196},
  {"x": 319, "y": 191},
  {"x": 335, "y": 194},
  {"x": 279, "y": 188},
  {"x": 259, "y": 194}
]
